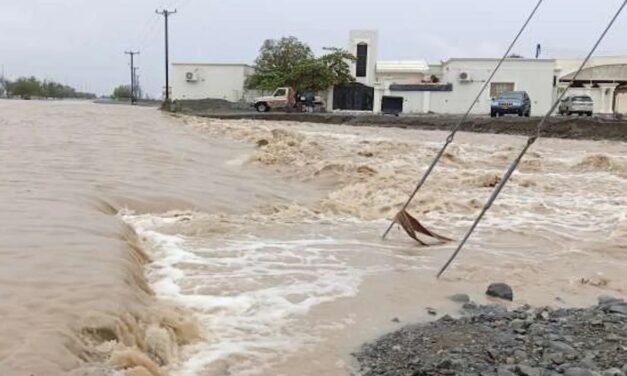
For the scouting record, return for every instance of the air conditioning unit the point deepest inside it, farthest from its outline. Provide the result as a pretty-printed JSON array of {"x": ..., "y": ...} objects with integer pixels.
[
  {"x": 191, "y": 77},
  {"x": 464, "y": 77}
]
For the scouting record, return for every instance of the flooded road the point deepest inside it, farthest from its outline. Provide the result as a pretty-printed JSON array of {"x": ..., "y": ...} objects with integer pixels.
[{"x": 153, "y": 245}]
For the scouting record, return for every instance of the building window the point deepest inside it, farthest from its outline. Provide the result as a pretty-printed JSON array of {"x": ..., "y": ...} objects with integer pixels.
[
  {"x": 497, "y": 88},
  {"x": 362, "y": 60}
]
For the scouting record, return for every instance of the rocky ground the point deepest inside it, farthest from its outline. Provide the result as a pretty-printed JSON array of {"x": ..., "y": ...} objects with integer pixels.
[{"x": 490, "y": 340}]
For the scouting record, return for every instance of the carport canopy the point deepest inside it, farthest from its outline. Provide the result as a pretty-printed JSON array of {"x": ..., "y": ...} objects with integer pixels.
[{"x": 602, "y": 73}]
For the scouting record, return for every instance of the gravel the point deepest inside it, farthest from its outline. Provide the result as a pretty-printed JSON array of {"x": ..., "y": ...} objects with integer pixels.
[{"x": 490, "y": 340}]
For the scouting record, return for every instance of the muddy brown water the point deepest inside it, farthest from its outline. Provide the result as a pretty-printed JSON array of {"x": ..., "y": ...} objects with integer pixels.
[{"x": 155, "y": 245}]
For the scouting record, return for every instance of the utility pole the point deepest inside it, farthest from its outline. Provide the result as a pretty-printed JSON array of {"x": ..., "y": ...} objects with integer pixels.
[
  {"x": 136, "y": 84},
  {"x": 166, "y": 14},
  {"x": 132, "y": 54}
]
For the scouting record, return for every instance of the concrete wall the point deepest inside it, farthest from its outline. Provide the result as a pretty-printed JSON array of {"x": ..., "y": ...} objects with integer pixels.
[{"x": 216, "y": 81}]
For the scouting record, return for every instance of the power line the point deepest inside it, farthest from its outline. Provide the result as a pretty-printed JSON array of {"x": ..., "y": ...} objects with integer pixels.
[
  {"x": 132, "y": 55},
  {"x": 530, "y": 141},
  {"x": 166, "y": 15},
  {"x": 456, "y": 128}
]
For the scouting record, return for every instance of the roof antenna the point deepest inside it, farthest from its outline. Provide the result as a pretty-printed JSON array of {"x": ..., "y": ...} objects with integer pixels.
[{"x": 538, "y": 50}]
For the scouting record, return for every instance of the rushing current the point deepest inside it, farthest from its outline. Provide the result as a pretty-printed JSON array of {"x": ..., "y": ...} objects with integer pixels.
[{"x": 138, "y": 243}]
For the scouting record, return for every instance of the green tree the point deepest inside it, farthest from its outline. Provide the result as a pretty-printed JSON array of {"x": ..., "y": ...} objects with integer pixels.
[
  {"x": 32, "y": 87},
  {"x": 289, "y": 62},
  {"x": 51, "y": 89},
  {"x": 276, "y": 60},
  {"x": 122, "y": 92},
  {"x": 310, "y": 74},
  {"x": 26, "y": 87},
  {"x": 337, "y": 62}
]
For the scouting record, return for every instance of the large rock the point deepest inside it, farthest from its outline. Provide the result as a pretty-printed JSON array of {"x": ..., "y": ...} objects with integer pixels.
[
  {"x": 501, "y": 291},
  {"x": 605, "y": 299},
  {"x": 459, "y": 298},
  {"x": 619, "y": 308}
]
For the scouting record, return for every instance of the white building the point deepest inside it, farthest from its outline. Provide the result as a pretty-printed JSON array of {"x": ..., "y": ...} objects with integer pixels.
[
  {"x": 217, "y": 81},
  {"x": 415, "y": 86},
  {"x": 450, "y": 86}
]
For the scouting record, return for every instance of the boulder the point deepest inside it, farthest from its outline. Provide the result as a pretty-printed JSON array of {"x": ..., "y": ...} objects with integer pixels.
[
  {"x": 459, "y": 298},
  {"x": 501, "y": 291},
  {"x": 620, "y": 308},
  {"x": 605, "y": 299}
]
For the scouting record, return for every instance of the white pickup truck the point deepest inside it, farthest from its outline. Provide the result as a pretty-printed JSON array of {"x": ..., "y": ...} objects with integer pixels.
[{"x": 283, "y": 98}]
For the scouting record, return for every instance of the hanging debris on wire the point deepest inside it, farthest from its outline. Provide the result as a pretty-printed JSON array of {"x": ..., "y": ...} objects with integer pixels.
[{"x": 413, "y": 227}]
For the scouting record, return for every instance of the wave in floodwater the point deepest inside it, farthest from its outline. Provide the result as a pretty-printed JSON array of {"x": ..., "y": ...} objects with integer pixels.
[{"x": 246, "y": 291}]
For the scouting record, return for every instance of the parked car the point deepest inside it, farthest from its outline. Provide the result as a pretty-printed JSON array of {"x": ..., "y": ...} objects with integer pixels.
[
  {"x": 579, "y": 104},
  {"x": 284, "y": 98},
  {"x": 511, "y": 102}
]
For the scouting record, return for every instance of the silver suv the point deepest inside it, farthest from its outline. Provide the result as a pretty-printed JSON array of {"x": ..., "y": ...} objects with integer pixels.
[{"x": 579, "y": 104}]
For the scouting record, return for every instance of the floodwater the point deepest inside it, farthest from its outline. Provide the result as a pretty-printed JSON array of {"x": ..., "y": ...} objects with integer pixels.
[{"x": 149, "y": 244}]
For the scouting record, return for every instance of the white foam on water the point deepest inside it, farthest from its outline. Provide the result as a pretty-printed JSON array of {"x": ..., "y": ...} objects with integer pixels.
[{"x": 248, "y": 293}]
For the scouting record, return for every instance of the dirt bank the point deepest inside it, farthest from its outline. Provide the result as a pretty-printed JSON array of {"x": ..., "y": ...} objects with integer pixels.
[{"x": 594, "y": 128}]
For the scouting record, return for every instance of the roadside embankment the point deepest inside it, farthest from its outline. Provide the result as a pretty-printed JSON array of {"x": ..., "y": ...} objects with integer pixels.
[{"x": 594, "y": 128}]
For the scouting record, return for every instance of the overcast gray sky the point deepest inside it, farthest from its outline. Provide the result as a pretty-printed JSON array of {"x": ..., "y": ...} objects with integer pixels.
[{"x": 82, "y": 42}]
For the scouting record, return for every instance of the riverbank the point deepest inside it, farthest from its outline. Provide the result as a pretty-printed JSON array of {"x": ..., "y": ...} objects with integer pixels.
[
  {"x": 578, "y": 128},
  {"x": 490, "y": 340}
]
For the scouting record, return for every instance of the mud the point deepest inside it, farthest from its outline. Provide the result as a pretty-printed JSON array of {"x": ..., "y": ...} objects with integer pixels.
[{"x": 596, "y": 128}]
